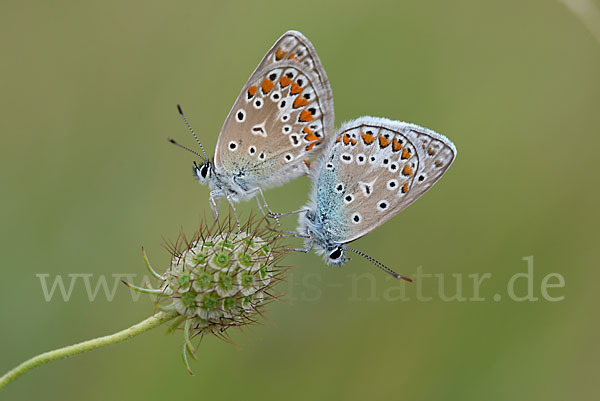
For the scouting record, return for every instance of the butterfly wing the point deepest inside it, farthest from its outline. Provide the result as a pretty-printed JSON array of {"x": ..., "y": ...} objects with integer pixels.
[
  {"x": 282, "y": 117},
  {"x": 373, "y": 170}
]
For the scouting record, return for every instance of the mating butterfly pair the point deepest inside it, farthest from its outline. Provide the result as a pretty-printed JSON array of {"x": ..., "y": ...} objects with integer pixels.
[{"x": 367, "y": 172}]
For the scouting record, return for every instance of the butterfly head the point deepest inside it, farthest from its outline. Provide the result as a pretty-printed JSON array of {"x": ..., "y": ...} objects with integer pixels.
[
  {"x": 203, "y": 172},
  {"x": 311, "y": 225}
]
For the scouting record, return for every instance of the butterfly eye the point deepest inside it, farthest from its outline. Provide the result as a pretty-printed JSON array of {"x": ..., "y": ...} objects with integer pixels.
[
  {"x": 336, "y": 254},
  {"x": 204, "y": 171}
]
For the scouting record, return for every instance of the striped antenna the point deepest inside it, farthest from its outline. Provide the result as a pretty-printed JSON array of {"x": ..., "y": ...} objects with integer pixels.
[
  {"x": 381, "y": 265},
  {"x": 191, "y": 130},
  {"x": 174, "y": 142}
]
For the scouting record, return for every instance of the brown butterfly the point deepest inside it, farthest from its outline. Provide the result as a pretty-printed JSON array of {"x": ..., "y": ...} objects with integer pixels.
[{"x": 281, "y": 120}]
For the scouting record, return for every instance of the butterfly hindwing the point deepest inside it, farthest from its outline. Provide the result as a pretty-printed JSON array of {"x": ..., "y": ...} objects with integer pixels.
[
  {"x": 374, "y": 169},
  {"x": 282, "y": 117}
]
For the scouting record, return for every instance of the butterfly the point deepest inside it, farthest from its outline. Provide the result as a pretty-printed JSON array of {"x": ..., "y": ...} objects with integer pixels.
[
  {"x": 281, "y": 119},
  {"x": 371, "y": 170}
]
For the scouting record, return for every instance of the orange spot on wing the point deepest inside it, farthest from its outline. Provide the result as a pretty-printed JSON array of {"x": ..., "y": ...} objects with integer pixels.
[
  {"x": 305, "y": 116},
  {"x": 405, "y": 154},
  {"x": 383, "y": 141},
  {"x": 368, "y": 138},
  {"x": 311, "y": 137},
  {"x": 430, "y": 152},
  {"x": 307, "y": 163},
  {"x": 293, "y": 57},
  {"x": 307, "y": 130},
  {"x": 267, "y": 85},
  {"x": 396, "y": 145},
  {"x": 346, "y": 139},
  {"x": 405, "y": 188},
  {"x": 279, "y": 54},
  {"x": 309, "y": 147},
  {"x": 252, "y": 90},
  {"x": 285, "y": 81},
  {"x": 295, "y": 89},
  {"x": 353, "y": 141},
  {"x": 300, "y": 101},
  {"x": 407, "y": 170},
  {"x": 339, "y": 139}
]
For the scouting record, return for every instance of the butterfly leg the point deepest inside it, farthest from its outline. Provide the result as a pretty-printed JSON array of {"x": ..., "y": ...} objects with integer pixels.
[
  {"x": 214, "y": 200},
  {"x": 264, "y": 201},
  {"x": 303, "y": 250},
  {"x": 275, "y": 215},
  {"x": 292, "y": 234},
  {"x": 260, "y": 206},
  {"x": 257, "y": 191},
  {"x": 230, "y": 201}
]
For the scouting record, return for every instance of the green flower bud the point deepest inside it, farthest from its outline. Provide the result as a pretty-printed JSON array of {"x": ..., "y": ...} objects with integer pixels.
[
  {"x": 221, "y": 279},
  {"x": 221, "y": 261},
  {"x": 203, "y": 281}
]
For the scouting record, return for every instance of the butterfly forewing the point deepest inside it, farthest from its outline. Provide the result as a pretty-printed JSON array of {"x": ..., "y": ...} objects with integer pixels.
[
  {"x": 294, "y": 47},
  {"x": 374, "y": 169},
  {"x": 282, "y": 117}
]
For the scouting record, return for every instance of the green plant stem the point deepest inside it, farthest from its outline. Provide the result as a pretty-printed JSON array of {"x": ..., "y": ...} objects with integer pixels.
[{"x": 141, "y": 327}]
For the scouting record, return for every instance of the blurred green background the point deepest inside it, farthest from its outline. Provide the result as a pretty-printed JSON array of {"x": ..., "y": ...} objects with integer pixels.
[{"x": 88, "y": 95}]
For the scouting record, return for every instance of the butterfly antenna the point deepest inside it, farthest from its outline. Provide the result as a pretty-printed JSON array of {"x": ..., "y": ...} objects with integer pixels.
[
  {"x": 184, "y": 147},
  {"x": 381, "y": 266},
  {"x": 191, "y": 130}
]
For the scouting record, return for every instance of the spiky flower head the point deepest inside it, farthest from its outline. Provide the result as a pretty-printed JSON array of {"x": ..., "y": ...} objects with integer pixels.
[{"x": 221, "y": 278}]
